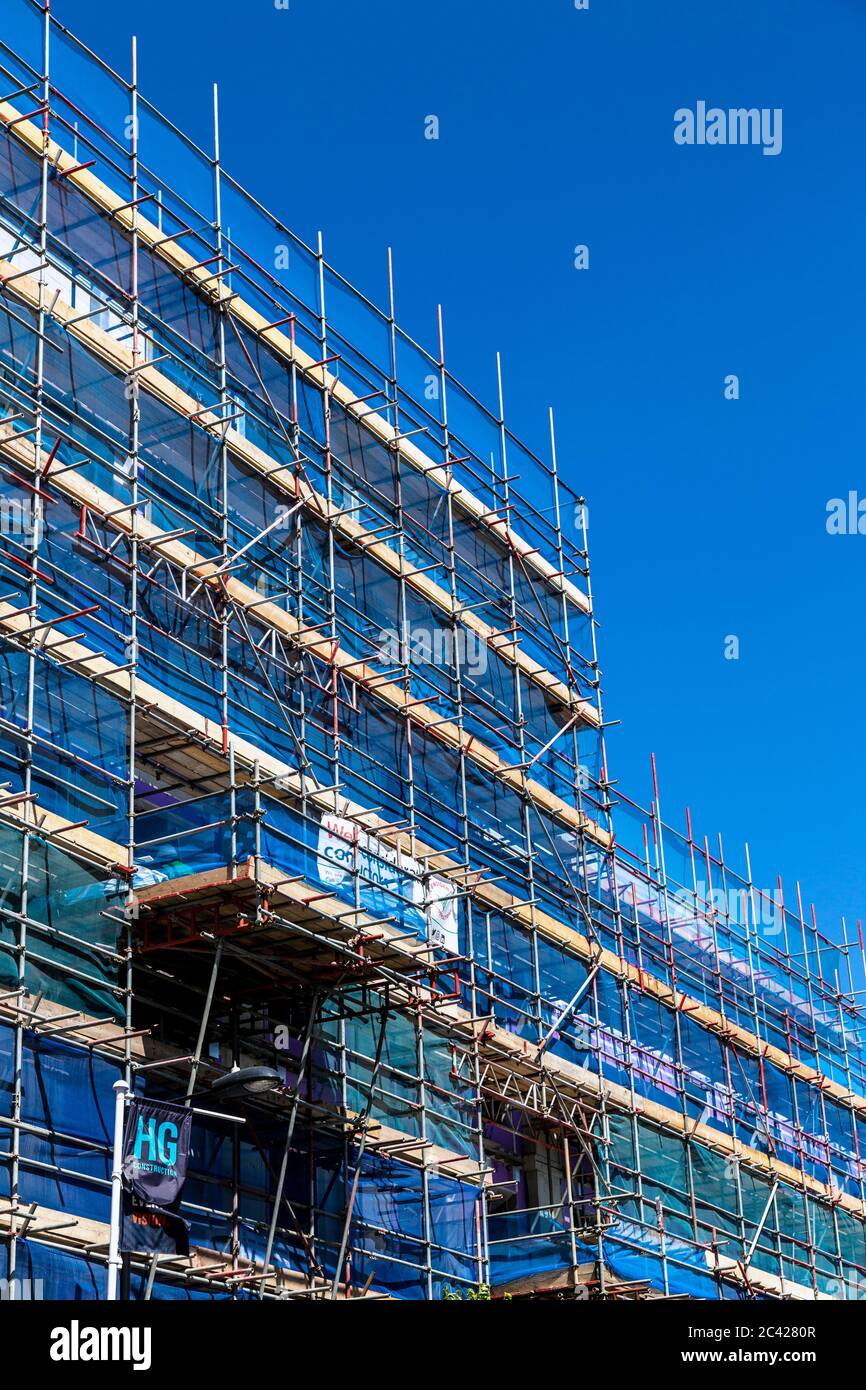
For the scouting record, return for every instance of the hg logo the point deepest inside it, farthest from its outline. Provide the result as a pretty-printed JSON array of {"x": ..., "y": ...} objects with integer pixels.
[{"x": 159, "y": 1140}]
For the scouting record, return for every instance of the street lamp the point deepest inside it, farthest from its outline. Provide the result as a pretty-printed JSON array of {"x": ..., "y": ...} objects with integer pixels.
[
  {"x": 237, "y": 1084},
  {"x": 244, "y": 1081}
]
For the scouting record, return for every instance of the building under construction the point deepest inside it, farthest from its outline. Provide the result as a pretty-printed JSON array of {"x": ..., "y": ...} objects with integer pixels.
[{"x": 303, "y": 768}]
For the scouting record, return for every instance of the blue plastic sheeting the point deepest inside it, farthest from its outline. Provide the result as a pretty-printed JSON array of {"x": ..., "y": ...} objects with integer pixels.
[
  {"x": 450, "y": 1117},
  {"x": 216, "y": 1231},
  {"x": 176, "y": 642},
  {"x": 78, "y": 383},
  {"x": 485, "y": 572},
  {"x": 68, "y": 1092},
  {"x": 57, "y": 1274},
  {"x": 396, "y": 1096},
  {"x": 632, "y": 1252},
  {"x": 179, "y": 472},
  {"x": 165, "y": 1291},
  {"x": 708, "y": 923},
  {"x": 667, "y": 1057},
  {"x": 451, "y": 1108},
  {"x": 275, "y": 372},
  {"x": 72, "y": 716},
  {"x": 180, "y": 646},
  {"x": 19, "y": 172},
  {"x": 391, "y": 1209},
  {"x": 537, "y": 1243},
  {"x": 370, "y": 628},
  {"x": 193, "y": 836},
  {"x": 276, "y": 723},
  {"x": 84, "y": 576},
  {"x": 7, "y": 1073},
  {"x": 65, "y": 896},
  {"x": 794, "y": 1222},
  {"x": 531, "y": 1243},
  {"x": 388, "y": 1228},
  {"x": 196, "y": 836}
]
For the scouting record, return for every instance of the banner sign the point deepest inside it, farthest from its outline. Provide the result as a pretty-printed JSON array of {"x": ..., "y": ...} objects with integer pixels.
[
  {"x": 148, "y": 1231},
  {"x": 390, "y": 883},
  {"x": 156, "y": 1150}
]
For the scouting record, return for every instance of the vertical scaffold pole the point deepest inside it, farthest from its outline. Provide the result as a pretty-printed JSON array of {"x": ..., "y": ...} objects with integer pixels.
[
  {"x": 115, "y": 1258},
  {"x": 33, "y": 600}
]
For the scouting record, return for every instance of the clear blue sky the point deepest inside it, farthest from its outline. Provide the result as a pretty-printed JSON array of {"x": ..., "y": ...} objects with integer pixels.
[{"x": 707, "y": 516}]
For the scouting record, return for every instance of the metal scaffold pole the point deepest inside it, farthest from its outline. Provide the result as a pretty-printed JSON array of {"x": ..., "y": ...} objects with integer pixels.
[{"x": 304, "y": 774}]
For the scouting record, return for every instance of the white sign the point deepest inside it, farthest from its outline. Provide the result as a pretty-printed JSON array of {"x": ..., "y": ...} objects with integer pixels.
[{"x": 390, "y": 884}]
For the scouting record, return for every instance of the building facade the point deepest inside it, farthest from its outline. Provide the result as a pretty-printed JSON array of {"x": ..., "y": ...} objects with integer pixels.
[{"x": 303, "y": 767}]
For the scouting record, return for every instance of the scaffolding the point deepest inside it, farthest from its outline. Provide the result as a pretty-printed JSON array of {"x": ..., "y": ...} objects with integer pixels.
[{"x": 303, "y": 764}]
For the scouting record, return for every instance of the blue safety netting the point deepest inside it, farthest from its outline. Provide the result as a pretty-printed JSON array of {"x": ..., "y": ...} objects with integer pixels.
[
  {"x": 78, "y": 744},
  {"x": 387, "y": 1233},
  {"x": 67, "y": 1112},
  {"x": 74, "y": 912},
  {"x": 58, "y": 1274}
]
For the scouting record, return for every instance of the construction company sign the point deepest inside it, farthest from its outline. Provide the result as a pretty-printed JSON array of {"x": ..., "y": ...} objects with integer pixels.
[{"x": 390, "y": 883}]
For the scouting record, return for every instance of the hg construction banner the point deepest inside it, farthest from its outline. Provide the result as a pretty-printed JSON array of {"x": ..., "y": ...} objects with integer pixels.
[
  {"x": 156, "y": 1148},
  {"x": 390, "y": 883}
]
